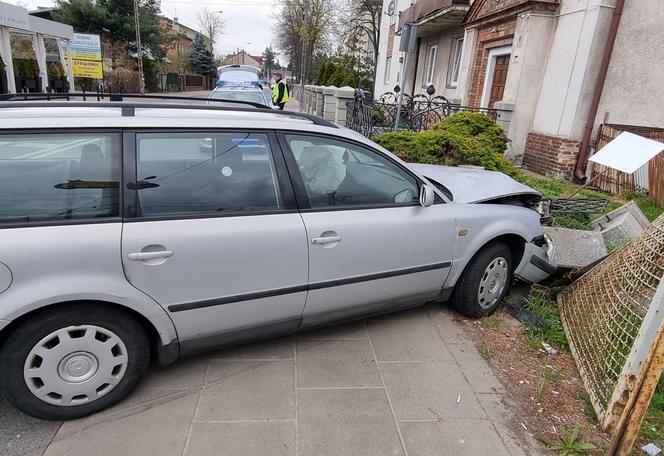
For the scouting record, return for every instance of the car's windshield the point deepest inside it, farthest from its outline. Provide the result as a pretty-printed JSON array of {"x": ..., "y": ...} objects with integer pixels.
[{"x": 239, "y": 95}]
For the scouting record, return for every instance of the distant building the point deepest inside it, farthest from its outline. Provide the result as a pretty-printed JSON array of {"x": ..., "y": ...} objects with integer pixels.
[
  {"x": 243, "y": 58},
  {"x": 183, "y": 38}
]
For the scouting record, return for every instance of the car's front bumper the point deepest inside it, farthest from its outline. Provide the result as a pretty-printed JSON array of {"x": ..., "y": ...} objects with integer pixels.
[{"x": 537, "y": 263}]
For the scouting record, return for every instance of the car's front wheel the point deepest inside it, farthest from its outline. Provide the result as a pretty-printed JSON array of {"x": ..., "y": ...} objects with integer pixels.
[
  {"x": 484, "y": 282},
  {"x": 72, "y": 361}
]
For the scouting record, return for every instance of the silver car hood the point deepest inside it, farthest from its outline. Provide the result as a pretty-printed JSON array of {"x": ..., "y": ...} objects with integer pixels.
[{"x": 470, "y": 185}]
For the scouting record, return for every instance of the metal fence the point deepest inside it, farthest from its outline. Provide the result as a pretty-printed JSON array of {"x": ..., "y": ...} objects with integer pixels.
[
  {"x": 418, "y": 113},
  {"x": 613, "y": 319}
]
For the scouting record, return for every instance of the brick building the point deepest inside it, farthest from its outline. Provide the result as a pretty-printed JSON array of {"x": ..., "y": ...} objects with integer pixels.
[{"x": 183, "y": 37}]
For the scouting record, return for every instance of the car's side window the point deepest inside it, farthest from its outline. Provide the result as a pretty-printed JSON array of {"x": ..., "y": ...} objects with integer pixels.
[
  {"x": 52, "y": 177},
  {"x": 205, "y": 173},
  {"x": 338, "y": 173}
]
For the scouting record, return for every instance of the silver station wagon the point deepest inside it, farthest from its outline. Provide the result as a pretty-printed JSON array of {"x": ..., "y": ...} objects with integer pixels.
[{"x": 138, "y": 232}]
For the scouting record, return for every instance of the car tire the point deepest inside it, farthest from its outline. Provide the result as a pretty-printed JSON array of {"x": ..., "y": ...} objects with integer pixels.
[
  {"x": 485, "y": 281},
  {"x": 73, "y": 360}
]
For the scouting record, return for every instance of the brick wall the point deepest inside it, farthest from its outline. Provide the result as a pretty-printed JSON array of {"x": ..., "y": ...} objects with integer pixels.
[
  {"x": 489, "y": 37},
  {"x": 546, "y": 154}
]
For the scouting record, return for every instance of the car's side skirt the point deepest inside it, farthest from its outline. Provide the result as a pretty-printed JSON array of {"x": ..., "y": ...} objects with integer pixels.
[{"x": 305, "y": 287}]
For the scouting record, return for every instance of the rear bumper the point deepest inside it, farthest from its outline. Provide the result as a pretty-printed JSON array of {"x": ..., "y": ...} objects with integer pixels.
[{"x": 537, "y": 263}]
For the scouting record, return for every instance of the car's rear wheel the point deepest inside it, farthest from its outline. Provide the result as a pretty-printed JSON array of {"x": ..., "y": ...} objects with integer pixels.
[
  {"x": 73, "y": 360},
  {"x": 484, "y": 282}
]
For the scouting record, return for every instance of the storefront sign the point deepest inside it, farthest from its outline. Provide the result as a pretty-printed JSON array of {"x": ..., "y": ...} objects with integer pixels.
[
  {"x": 14, "y": 16},
  {"x": 88, "y": 69},
  {"x": 86, "y": 47},
  {"x": 86, "y": 56}
]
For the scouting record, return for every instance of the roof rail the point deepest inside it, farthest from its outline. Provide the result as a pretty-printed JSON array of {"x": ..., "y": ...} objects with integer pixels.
[{"x": 92, "y": 99}]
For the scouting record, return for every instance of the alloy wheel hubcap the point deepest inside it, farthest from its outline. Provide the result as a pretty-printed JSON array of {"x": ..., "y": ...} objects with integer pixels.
[
  {"x": 75, "y": 365},
  {"x": 492, "y": 283}
]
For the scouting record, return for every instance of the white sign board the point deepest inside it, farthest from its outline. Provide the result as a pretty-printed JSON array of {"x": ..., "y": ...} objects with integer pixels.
[
  {"x": 628, "y": 152},
  {"x": 14, "y": 16},
  {"x": 86, "y": 47}
]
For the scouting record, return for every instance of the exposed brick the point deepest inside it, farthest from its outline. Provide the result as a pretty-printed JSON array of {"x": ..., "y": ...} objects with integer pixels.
[{"x": 547, "y": 154}]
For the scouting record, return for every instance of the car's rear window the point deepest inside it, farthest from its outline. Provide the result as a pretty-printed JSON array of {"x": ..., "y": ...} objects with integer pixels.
[
  {"x": 59, "y": 176},
  {"x": 239, "y": 95}
]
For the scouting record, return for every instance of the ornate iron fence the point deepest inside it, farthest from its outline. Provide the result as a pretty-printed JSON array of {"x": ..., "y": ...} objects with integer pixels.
[{"x": 419, "y": 112}]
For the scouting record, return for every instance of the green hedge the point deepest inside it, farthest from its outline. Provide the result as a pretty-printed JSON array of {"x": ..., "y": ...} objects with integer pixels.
[{"x": 463, "y": 138}]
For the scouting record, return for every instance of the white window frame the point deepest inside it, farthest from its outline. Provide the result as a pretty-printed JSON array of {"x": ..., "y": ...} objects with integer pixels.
[
  {"x": 455, "y": 67},
  {"x": 491, "y": 67},
  {"x": 431, "y": 64},
  {"x": 388, "y": 64}
]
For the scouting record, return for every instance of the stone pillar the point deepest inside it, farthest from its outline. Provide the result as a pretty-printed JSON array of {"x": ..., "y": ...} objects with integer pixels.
[
  {"x": 504, "y": 117},
  {"x": 344, "y": 95},
  {"x": 318, "y": 105},
  {"x": 329, "y": 103}
]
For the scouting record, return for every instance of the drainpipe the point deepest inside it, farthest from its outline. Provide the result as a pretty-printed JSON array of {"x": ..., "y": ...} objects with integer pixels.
[
  {"x": 417, "y": 64},
  {"x": 579, "y": 170}
]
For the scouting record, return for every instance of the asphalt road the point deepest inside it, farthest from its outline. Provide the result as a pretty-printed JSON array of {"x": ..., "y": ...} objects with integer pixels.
[{"x": 21, "y": 435}]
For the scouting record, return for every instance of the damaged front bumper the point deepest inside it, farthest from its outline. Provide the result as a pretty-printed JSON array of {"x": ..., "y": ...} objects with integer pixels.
[{"x": 538, "y": 261}]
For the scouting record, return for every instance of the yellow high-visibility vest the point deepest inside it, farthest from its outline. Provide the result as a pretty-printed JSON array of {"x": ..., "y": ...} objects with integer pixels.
[{"x": 275, "y": 92}]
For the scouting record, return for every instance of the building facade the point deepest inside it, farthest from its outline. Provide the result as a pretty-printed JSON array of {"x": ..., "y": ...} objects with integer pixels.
[
  {"x": 538, "y": 62},
  {"x": 439, "y": 44}
]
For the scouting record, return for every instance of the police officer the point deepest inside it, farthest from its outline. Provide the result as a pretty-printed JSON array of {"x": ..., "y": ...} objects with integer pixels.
[{"x": 279, "y": 91}]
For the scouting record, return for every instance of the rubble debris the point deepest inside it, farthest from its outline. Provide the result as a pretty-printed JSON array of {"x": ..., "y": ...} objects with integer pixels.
[
  {"x": 651, "y": 449},
  {"x": 576, "y": 248},
  {"x": 526, "y": 316},
  {"x": 548, "y": 350},
  {"x": 620, "y": 226}
]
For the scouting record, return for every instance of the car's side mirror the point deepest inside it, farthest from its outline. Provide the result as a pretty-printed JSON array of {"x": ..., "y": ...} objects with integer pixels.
[{"x": 427, "y": 196}]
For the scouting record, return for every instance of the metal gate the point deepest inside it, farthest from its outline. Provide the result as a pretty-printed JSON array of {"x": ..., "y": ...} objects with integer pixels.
[{"x": 613, "y": 317}]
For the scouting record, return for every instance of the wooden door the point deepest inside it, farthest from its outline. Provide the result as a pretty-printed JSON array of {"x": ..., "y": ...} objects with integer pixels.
[{"x": 499, "y": 78}]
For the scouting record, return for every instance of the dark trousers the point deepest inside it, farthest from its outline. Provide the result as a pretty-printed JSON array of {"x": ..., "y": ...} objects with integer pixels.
[{"x": 281, "y": 106}]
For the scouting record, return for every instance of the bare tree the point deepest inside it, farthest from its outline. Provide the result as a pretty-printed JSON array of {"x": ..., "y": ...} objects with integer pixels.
[
  {"x": 362, "y": 19},
  {"x": 212, "y": 23},
  {"x": 302, "y": 31}
]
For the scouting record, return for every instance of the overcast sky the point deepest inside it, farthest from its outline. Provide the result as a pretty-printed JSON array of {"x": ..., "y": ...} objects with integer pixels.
[{"x": 247, "y": 21}]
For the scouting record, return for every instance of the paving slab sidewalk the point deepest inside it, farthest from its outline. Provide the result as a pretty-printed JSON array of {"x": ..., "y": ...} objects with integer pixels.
[{"x": 409, "y": 383}]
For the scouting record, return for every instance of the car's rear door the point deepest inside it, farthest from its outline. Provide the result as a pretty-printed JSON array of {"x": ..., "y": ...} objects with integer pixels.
[
  {"x": 372, "y": 246},
  {"x": 215, "y": 236}
]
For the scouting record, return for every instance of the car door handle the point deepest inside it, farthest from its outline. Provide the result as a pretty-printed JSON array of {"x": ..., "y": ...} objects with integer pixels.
[
  {"x": 326, "y": 240},
  {"x": 143, "y": 256}
]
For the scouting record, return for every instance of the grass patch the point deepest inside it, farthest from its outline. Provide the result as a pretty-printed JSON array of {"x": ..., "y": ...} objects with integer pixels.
[
  {"x": 652, "y": 428},
  {"x": 540, "y": 305},
  {"x": 647, "y": 205},
  {"x": 588, "y": 408},
  {"x": 486, "y": 353}
]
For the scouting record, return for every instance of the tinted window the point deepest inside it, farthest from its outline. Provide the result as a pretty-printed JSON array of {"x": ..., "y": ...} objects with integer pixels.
[
  {"x": 194, "y": 173},
  {"x": 59, "y": 176},
  {"x": 339, "y": 173}
]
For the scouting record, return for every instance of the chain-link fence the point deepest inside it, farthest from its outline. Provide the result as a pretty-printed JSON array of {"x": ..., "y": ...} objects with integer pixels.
[{"x": 613, "y": 319}]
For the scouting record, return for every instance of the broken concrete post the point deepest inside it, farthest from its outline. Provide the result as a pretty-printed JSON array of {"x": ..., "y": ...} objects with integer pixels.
[
  {"x": 576, "y": 248},
  {"x": 620, "y": 226}
]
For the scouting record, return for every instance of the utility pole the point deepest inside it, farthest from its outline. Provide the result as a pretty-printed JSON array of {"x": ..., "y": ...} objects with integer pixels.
[{"x": 139, "y": 48}]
